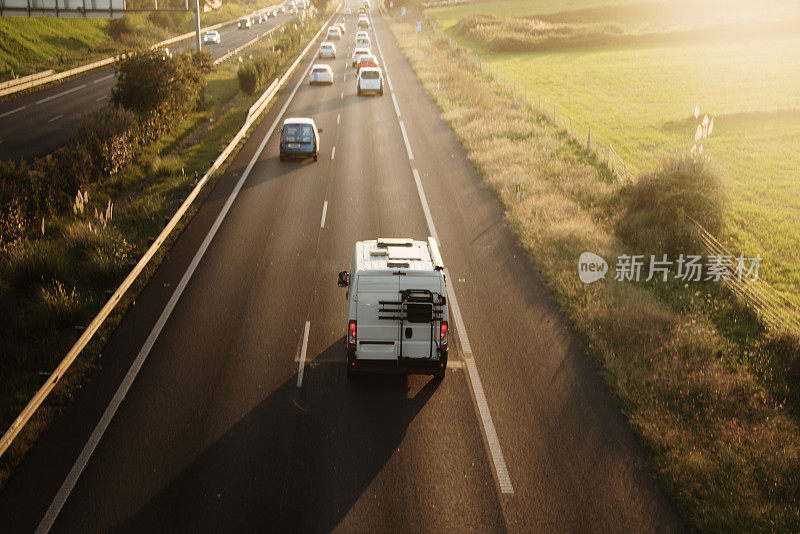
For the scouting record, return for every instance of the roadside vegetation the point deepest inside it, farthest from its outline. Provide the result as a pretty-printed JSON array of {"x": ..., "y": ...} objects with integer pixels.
[
  {"x": 30, "y": 45},
  {"x": 634, "y": 72},
  {"x": 73, "y": 225},
  {"x": 714, "y": 396}
]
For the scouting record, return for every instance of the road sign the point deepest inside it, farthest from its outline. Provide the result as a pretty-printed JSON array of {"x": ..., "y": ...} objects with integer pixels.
[
  {"x": 391, "y": 4},
  {"x": 403, "y": 11},
  {"x": 419, "y": 27}
]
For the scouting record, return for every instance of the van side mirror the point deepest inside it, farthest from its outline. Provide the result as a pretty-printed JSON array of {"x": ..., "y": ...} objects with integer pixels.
[
  {"x": 344, "y": 279},
  {"x": 319, "y": 130}
]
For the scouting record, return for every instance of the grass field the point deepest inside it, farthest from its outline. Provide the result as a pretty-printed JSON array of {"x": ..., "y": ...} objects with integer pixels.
[
  {"x": 640, "y": 99},
  {"x": 29, "y": 45}
]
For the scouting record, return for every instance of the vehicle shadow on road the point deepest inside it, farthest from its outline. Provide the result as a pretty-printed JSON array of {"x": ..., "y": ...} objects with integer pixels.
[{"x": 299, "y": 461}]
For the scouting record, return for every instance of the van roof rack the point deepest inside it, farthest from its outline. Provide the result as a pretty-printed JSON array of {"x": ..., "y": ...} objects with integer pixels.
[{"x": 395, "y": 242}]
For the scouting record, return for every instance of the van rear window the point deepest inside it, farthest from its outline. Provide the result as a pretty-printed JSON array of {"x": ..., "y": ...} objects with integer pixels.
[
  {"x": 298, "y": 133},
  {"x": 370, "y": 75}
]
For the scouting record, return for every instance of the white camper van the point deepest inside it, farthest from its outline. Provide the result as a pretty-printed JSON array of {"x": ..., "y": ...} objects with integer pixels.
[{"x": 397, "y": 308}]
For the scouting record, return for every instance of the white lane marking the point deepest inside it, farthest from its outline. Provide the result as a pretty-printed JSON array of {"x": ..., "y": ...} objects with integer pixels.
[
  {"x": 394, "y": 101},
  {"x": 487, "y": 424},
  {"x": 7, "y": 113},
  {"x": 405, "y": 140},
  {"x": 55, "y": 118},
  {"x": 345, "y": 77},
  {"x": 100, "y": 99},
  {"x": 303, "y": 355},
  {"x": 338, "y": 117},
  {"x": 324, "y": 213},
  {"x": 333, "y": 152},
  {"x": 104, "y": 78},
  {"x": 425, "y": 209},
  {"x": 500, "y": 468},
  {"x": 389, "y": 80},
  {"x": 83, "y": 459},
  {"x": 342, "y": 97},
  {"x": 68, "y": 91}
]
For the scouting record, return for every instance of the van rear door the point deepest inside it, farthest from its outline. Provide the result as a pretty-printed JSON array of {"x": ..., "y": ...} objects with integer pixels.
[
  {"x": 420, "y": 325},
  {"x": 377, "y": 339}
]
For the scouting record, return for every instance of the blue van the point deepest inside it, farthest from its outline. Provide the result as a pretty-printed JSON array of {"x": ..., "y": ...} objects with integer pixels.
[{"x": 299, "y": 139}]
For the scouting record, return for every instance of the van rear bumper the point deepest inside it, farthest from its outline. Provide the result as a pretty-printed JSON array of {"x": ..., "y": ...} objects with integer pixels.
[{"x": 406, "y": 366}]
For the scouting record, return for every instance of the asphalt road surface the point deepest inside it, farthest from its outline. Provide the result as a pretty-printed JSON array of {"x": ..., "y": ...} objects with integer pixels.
[
  {"x": 36, "y": 123},
  {"x": 218, "y": 433}
]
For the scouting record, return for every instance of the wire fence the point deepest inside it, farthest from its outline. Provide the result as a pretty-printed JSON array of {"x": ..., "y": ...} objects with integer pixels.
[{"x": 776, "y": 312}]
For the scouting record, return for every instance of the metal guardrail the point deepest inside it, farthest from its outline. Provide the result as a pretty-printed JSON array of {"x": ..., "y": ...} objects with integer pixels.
[
  {"x": 25, "y": 79},
  {"x": 41, "y": 395},
  {"x": 227, "y": 56},
  {"x": 43, "y": 78}
]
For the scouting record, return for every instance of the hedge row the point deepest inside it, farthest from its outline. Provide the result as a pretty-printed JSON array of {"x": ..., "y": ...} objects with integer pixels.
[
  {"x": 152, "y": 94},
  {"x": 258, "y": 72}
]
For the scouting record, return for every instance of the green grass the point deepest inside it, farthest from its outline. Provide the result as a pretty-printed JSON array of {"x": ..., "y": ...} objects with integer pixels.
[
  {"x": 30, "y": 45},
  {"x": 640, "y": 99},
  {"x": 712, "y": 395}
]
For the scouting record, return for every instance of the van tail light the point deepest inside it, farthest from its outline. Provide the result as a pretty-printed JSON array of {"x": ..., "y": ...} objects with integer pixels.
[
  {"x": 351, "y": 335},
  {"x": 443, "y": 335}
]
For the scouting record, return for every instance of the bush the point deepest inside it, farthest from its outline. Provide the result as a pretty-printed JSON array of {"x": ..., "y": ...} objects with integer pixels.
[
  {"x": 116, "y": 28},
  {"x": 657, "y": 207}
]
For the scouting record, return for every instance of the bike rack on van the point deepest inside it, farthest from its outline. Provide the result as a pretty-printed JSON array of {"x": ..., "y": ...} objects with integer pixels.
[{"x": 415, "y": 306}]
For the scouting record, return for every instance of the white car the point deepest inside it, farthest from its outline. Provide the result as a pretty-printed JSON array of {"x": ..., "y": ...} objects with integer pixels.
[
  {"x": 363, "y": 42},
  {"x": 327, "y": 50},
  {"x": 370, "y": 80},
  {"x": 212, "y": 37},
  {"x": 363, "y": 22},
  {"x": 282, "y": 9},
  {"x": 341, "y": 27},
  {"x": 244, "y": 24},
  {"x": 321, "y": 74},
  {"x": 334, "y": 33},
  {"x": 358, "y": 52},
  {"x": 362, "y": 33}
]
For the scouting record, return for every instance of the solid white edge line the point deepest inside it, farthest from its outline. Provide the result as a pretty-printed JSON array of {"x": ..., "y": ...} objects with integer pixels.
[
  {"x": 338, "y": 117},
  {"x": 487, "y": 423},
  {"x": 405, "y": 140},
  {"x": 68, "y": 91},
  {"x": 7, "y": 113},
  {"x": 394, "y": 101},
  {"x": 83, "y": 459},
  {"x": 104, "y": 78},
  {"x": 303, "y": 355},
  {"x": 342, "y": 97},
  {"x": 100, "y": 99},
  {"x": 53, "y": 119},
  {"x": 324, "y": 213},
  {"x": 333, "y": 152}
]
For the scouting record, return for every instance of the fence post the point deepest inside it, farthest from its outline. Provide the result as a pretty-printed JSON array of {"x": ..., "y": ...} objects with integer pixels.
[
  {"x": 554, "y": 115},
  {"x": 571, "y": 132},
  {"x": 626, "y": 171},
  {"x": 609, "y": 157},
  {"x": 589, "y": 140}
]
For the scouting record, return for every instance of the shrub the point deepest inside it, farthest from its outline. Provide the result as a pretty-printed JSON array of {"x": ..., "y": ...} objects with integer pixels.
[
  {"x": 116, "y": 28},
  {"x": 657, "y": 206}
]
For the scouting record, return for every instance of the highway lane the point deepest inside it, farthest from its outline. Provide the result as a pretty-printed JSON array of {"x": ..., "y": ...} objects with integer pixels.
[
  {"x": 215, "y": 433},
  {"x": 36, "y": 123}
]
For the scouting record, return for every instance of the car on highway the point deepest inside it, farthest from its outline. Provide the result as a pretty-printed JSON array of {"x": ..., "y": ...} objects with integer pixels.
[
  {"x": 362, "y": 33},
  {"x": 347, "y": 11},
  {"x": 299, "y": 139},
  {"x": 334, "y": 33},
  {"x": 301, "y": 4},
  {"x": 363, "y": 42},
  {"x": 244, "y": 23},
  {"x": 327, "y": 50},
  {"x": 292, "y": 10},
  {"x": 321, "y": 74},
  {"x": 212, "y": 37},
  {"x": 358, "y": 52},
  {"x": 363, "y": 22},
  {"x": 364, "y": 4},
  {"x": 282, "y": 9},
  {"x": 258, "y": 18},
  {"x": 366, "y": 60},
  {"x": 397, "y": 308},
  {"x": 369, "y": 80},
  {"x": 341, "y": 27}
]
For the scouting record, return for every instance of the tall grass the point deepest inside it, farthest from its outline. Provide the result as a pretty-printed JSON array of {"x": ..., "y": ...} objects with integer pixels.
[{"x": 686, "y": 363}]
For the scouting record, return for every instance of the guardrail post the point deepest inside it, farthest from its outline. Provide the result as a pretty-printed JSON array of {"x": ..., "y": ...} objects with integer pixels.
[
  {"x": 589, "y": 139},
  {"x": 571, "y": 131}
]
